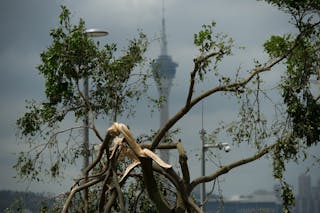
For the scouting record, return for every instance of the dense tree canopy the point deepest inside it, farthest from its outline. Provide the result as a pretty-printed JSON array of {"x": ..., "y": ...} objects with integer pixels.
[
  {"x": 72, "y": 57},
  {"x": 121, "y": 159}
]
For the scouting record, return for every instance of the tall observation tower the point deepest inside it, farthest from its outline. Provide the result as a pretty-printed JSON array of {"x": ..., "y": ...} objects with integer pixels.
[{"x": 164, "y": 70}]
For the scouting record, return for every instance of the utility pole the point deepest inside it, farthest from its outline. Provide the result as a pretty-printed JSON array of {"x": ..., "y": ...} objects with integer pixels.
[{"x": 204, "y": 147}]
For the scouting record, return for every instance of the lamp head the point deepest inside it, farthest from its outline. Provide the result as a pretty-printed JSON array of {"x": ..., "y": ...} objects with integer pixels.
[{"x": 96, "y": 32}]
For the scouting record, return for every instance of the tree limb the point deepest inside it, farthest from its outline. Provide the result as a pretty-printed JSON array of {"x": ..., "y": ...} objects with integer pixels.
[
  {"x": 183, "y": 158},
  {"x": 197, "y": 62},
  {"x": 77, "y": 189},
  {"x": 227, "y": 168},
  {"x": 222, "y": 88},
  {"x": 169, "y": 145},
  {"x": 228, "y": 87},
  {"x": 151, "y": 186},
  {"x": 104, "y": 190},
  {"x": 102, "y": 148},
  {"x": 119, "y": 192}
]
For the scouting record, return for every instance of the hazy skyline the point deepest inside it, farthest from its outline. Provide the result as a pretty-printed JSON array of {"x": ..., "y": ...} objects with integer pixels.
[{"x": 25, "y": 34}]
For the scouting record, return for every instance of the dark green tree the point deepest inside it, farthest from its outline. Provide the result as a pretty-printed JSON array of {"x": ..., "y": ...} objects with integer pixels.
[
  {"x": 71, "y": 58},
  {"x": 121, "y": 158},
  {"x": 116, "y": 80}
]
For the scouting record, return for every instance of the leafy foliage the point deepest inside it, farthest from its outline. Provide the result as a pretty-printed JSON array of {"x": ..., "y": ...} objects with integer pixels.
[
  {"x": 73, "y": 57},
  {"x": 13, "y": 201},
  {"x": 213, "y": 46},
  {"x": 298, "y": 91}
]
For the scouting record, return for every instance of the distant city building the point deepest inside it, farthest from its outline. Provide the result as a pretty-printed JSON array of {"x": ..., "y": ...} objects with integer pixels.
[
  {"x": 164, "y": 70},
  {"x": 316, "y": 197},
  {"x": 258, "y": 202},
  {"x": 308, "y": 198},
  {"x": 303, "y": 201}
]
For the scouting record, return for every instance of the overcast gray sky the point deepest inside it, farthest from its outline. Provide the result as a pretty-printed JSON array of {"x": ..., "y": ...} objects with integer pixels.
[{"x": 25, "y": 27}]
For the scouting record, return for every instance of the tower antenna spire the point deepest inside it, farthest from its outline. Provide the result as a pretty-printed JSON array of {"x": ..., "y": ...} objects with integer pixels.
[
  {"x": 164, "y": 50},
  {"x": 162, "y": 8}
]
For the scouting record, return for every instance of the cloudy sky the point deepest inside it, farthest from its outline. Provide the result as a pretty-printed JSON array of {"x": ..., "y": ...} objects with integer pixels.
[{"x": 25, "y": 33}]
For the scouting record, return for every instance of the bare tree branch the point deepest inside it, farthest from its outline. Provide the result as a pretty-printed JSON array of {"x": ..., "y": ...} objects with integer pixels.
[
  {"x": 111, "y": 199},
  {"x": 232, "y": 87},
  {"x": 104, "y": 190},
  {"x": 227, "y": 168},
  {"x": 169, "y": 145},
  {"x": 102, "y": 148},
  {"x": 229, "y": 87},
  {"x": 119, "y": 192},
  {"x": 77, "y": 189},
  {"x": 183, "y": 158},
  {"x": 151, "y": 186},
  {"x": 197, "y": 64}
]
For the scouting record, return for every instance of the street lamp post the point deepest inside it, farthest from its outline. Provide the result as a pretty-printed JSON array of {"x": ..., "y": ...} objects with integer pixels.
[
  {"x": 203, "y": 168},
  {"x": 89, "y": 33}
]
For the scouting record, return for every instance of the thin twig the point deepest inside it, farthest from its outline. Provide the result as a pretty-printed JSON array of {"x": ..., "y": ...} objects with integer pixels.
[
  {"x": 227, "y": 168},
  {"x": 77, "y": 189},
  {"x": 119, "y": 192}
]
